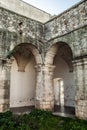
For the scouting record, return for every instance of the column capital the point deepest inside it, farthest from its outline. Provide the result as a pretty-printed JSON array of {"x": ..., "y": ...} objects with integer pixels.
[
  {"x": 38, "y": 67},
  {"x": 80, "y": 61},
  {"x": 46, "y": 67}
]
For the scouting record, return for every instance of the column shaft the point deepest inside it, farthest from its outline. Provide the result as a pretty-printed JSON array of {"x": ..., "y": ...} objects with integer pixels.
[
  {"x": 4, "y": 85},
  {"x": 80, "y": 67},
  {"x": 44, "y": 87}
]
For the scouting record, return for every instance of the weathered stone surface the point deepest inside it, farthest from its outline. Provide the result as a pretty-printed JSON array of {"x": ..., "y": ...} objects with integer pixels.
[
  {"x": 81, "y": 109},
  {"x": 65, "y": 35},
  {"x": 66, "y": 22},
  {"x": 25, "y": 9},
  {"x": 16, "y": 29}
]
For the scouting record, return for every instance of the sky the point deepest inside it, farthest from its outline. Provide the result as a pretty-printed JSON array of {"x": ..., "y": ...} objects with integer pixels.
[{"x": 53, "y": 7}]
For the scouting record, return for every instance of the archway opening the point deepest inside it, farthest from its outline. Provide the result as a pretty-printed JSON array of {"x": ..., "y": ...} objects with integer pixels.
[
  {"x": 23, "y": 78},
  {"x": 64, "y": 88}
]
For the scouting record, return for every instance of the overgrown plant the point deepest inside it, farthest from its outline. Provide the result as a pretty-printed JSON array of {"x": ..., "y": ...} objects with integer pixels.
[{"x": 39, "y": 120}]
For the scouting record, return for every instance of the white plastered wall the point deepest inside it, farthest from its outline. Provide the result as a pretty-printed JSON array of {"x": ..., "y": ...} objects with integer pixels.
[
  {"x": 62, "y": 71},
  {"x": 22, "y": 86}
]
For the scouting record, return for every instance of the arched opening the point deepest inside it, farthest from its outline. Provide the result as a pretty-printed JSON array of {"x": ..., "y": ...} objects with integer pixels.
[
  {"x": 64, "y": 83},
  {"x": 60, "y": 55},
  {"x": 23, "y": 77},
  {"x": 59, "y": 93}
]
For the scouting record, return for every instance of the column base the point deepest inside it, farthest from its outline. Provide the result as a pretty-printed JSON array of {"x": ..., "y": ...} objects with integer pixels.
[
  {"x": 81, "y": 109},
  {"x": 4, "y": 96},
  {"x": 4, "y": 107},
  {"x": 45, "y": 105}
]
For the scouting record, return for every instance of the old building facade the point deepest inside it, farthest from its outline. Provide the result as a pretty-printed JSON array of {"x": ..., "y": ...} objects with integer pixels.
[{"x": 43, "y": 60}]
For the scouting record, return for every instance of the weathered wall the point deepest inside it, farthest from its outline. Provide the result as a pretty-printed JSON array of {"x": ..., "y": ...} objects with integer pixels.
[
  {"x": 32, "y": 31},
  {"x": 67, "y": 21},
  {"x": 16, "y": 29},
  {"x": 76, "y": 39},
  {"x": 25, "y": 9},
  {"x": 68, "y": 28},
  {"x": 71, "y": 27},
  {"x": 22, "y": 85},
  {"x": 61, "y": 71}
]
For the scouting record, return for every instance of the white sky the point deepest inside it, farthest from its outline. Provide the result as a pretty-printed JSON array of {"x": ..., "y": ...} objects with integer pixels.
[{"x": 52, "y": 6}]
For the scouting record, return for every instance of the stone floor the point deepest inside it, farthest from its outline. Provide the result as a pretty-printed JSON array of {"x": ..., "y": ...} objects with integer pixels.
[
  {"x": 58, "y": 111},
  {"x": 20, "y": 110},
  {"x": 64, "y": 111},
  {"x": 63, "y": 114}
]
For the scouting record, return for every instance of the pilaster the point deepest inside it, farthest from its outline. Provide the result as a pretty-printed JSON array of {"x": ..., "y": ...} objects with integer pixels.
[
  {"x": 80, "y": 67},
  {"x": 4, "y": 84}
]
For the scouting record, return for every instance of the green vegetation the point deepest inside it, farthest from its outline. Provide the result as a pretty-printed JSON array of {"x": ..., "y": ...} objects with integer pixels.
[{"x": 39, "y": 120}]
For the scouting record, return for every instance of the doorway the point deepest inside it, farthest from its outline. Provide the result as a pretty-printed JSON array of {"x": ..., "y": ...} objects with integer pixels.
[{"x": 59, "y": 93}]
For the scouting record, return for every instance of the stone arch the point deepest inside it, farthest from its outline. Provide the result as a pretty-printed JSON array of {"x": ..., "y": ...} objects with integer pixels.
[
  {"x": 24, "y": 51},
  {"x": 61, "y": 48},
  {"x": 23, "y": 76},
  {"x": 60, "y": 55}
]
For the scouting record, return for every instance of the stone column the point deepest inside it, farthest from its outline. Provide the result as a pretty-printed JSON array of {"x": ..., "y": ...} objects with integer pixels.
[
  {"x": 4, "y": 85},
  {"x": 85, "y": 75},
  {"x": 80, "y": 69},
  {"x": 44, "y": 87}
]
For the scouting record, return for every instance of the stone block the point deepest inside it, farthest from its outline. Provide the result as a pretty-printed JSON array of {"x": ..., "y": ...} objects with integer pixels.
[
  {"x": 4, "y": 101},
  {"x": 1, "y": 108}
]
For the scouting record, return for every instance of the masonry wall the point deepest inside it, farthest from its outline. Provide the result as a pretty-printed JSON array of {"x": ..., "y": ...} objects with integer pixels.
[
  {"x": 67, "y": 21},
  {"x": 22, "y": 8},
  {"x": 16, "y": 29},
  {"x": 69, "y": 28}
]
